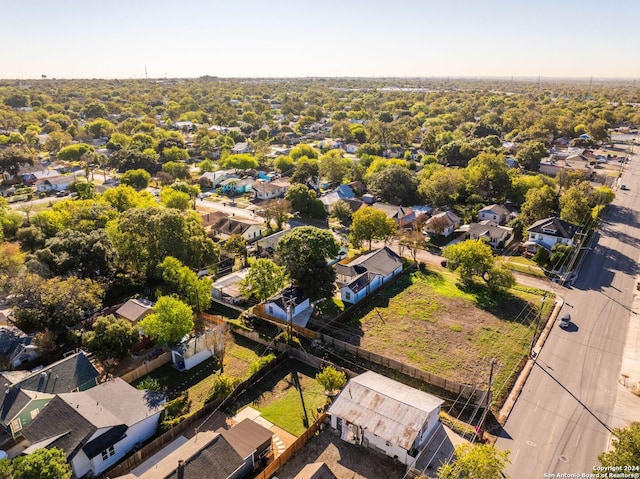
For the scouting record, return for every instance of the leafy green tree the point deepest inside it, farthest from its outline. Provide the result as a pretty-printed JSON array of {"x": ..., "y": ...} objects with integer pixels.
[
  {"x": 177, "y": 169},
  {"x": 475, "y": 461},
  {"x": 283, "y": 163},
  {"x": 334, "y": 166},
  {"x": 442, "y": 187},
  {"x": 471, "y": 258},
  {"x": 175, "y": 199},
  {"x": 341, "y": 210},
  {"x": 369, "y": 224},
  {"x": 500, "y": 278},
  {"x": 574, "y": 205},
  {"x": 184, "y": 282},
  {"x": 118, "y": 141},
  {"x": 13, "y": 157},
  {"x": 75, "y": 152},
  {"x": 95, "y": 110},
  {"x": 206, "y": 166},
  {"x": 331, "y": 379},
  {"x": 42, "y": 464},
  {"x": 100, "y": 128},
  {"x": 263, "y": 280},
  {"x": 306, "y": 170},
  {"x": 175, "y": 154},
  {"x": 529, "y": 157},
  {"x": 169, "y": 322},
  {"x": 124, "y": 198},
  {"x": 300, "y": 197},
  {"x": 625, "y": 447},
  {"x": 539, "y": 203},
  {"x": 84, "y": 254},
  {"x": 133, "y": 159},
  {"x": 242, "y": 161},
  {"x": 304, "y": 252},
  {"x": 54, "y": 303},
  {"x": 395, "y": 184},
  {"x": 602, "y": 195},
  {"x": 138, "y": 179},
  {"x": 143, "y": 237},
  {"x": 301, "y": 150},
  {"x": 111, "y": 338},
  {"x": 486, "y": 175},
  {"x": 599, "y": 131},
  {"x": 414, "y": 240}
]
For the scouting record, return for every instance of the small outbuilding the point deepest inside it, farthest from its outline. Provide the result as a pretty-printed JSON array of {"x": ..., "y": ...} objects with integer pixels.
[
  {"x": 377, "y": 412},
  {"x": 192, "y": 352}
]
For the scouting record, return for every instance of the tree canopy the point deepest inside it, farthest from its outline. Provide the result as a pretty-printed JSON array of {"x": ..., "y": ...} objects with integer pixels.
[
  {"x": 304, "y": 252},
  {"x": 169, "y": 322}
]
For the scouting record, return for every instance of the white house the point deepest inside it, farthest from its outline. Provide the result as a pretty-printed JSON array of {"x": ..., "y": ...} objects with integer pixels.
[
  {"x": 227, "y": 288},
  {"x": 365, "y": 274},
  {"x": 497, "y": 236},
  {"x": 267, "y": 190},
  {"x": 342, "y": 192},
  {"x": 500, "y": 214},
  {"x": 548, "y": 232},
  {"x": 290, "y": 302},
  {"x": 377, "y": 412},
  {"x": 58, "y": 183},
  {"x": 227, "y": 226},
  {"x": 98, "y": 427},
  {"x": 214, "y": 178},
  {"x": 444, "y": 223},
  {"x": 240, "y": 148},
  {"x": 192, "y": 352}
]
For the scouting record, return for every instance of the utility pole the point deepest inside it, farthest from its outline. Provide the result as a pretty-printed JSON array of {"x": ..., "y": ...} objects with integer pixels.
[
  {"x": 535, "y": 330},
  {"x": 480, "y": 431}
]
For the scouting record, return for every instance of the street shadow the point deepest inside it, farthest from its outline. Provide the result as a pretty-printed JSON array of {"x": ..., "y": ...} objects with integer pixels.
[
  {"x": 502, "y": 432},
  {"x": 606, "y": 262},
  {"x": 620, "y": 214}
]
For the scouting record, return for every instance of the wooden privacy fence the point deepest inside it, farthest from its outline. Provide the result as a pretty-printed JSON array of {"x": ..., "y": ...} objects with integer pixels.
[
  {"x": 474, "y": 395},
  {"x": 279, "y": 461},
  {"x": 190, "y": 422},
  {"x": 147, "y": 367}
]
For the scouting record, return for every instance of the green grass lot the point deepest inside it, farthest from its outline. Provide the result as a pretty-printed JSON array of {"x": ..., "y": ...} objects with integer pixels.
[
  {"x": 523, "y": 265},
  {"x": 280, "y": 397},
  {"x": 199, "y": 380},
  {"x": 433, "y": 322}
]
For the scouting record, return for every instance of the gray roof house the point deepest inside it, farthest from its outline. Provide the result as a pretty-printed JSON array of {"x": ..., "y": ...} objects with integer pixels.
[
  {"x": 23, "y": 394},
  {"x": 501, "y": 214},
  {"x": 547, "y": 232},
  {"x": 232, "y": 454},
  {"x": 497, "y": 236},
  {"x": 98, "y": 427},
  {"x": 16, "y": 346},
  {"x": 363, "y": 275},
  {"x": 342, "y": 192},
  {"x": 135, "y": 309},
  {"x": 375, "y": 411}
]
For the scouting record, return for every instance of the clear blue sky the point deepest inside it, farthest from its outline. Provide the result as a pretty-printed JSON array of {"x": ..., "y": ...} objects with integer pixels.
[{"x": 273, "y": 38}]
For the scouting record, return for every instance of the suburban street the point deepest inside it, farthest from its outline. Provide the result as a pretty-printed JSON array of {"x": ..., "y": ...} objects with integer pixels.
[{"x": 560, "y": 422}]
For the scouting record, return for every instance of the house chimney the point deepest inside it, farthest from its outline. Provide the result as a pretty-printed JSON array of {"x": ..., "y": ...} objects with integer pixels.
[{"x": 180, "y": 470}]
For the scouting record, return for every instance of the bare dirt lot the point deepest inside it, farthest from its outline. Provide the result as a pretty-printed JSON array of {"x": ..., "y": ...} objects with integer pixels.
[{"x": 432, "y": 322}]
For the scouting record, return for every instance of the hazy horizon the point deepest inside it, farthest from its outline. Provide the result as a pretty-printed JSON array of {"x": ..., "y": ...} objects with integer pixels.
[{"x": 500, "y": 39}]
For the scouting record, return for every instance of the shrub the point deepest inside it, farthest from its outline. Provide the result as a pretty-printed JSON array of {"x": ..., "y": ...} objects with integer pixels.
[
  {"x": 149, "y": 384},
  {"x": 223, "y": 386},
  {"x": 260, "y": 362}
]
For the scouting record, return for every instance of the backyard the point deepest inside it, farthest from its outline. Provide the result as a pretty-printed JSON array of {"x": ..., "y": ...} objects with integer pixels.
[
  {"x": 431, "y": 321},
  {"x": 289, "y": 397},
  {"x": 198, "y": 381}
]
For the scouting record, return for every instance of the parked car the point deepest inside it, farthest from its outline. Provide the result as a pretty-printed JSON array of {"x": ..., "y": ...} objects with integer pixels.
[
  {"x": 565, "y": 321},
  {"x": 624, "y": 187}
]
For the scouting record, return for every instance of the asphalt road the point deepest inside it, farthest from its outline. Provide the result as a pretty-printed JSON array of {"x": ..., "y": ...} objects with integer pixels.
[{"x": 561, "y": 419}]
